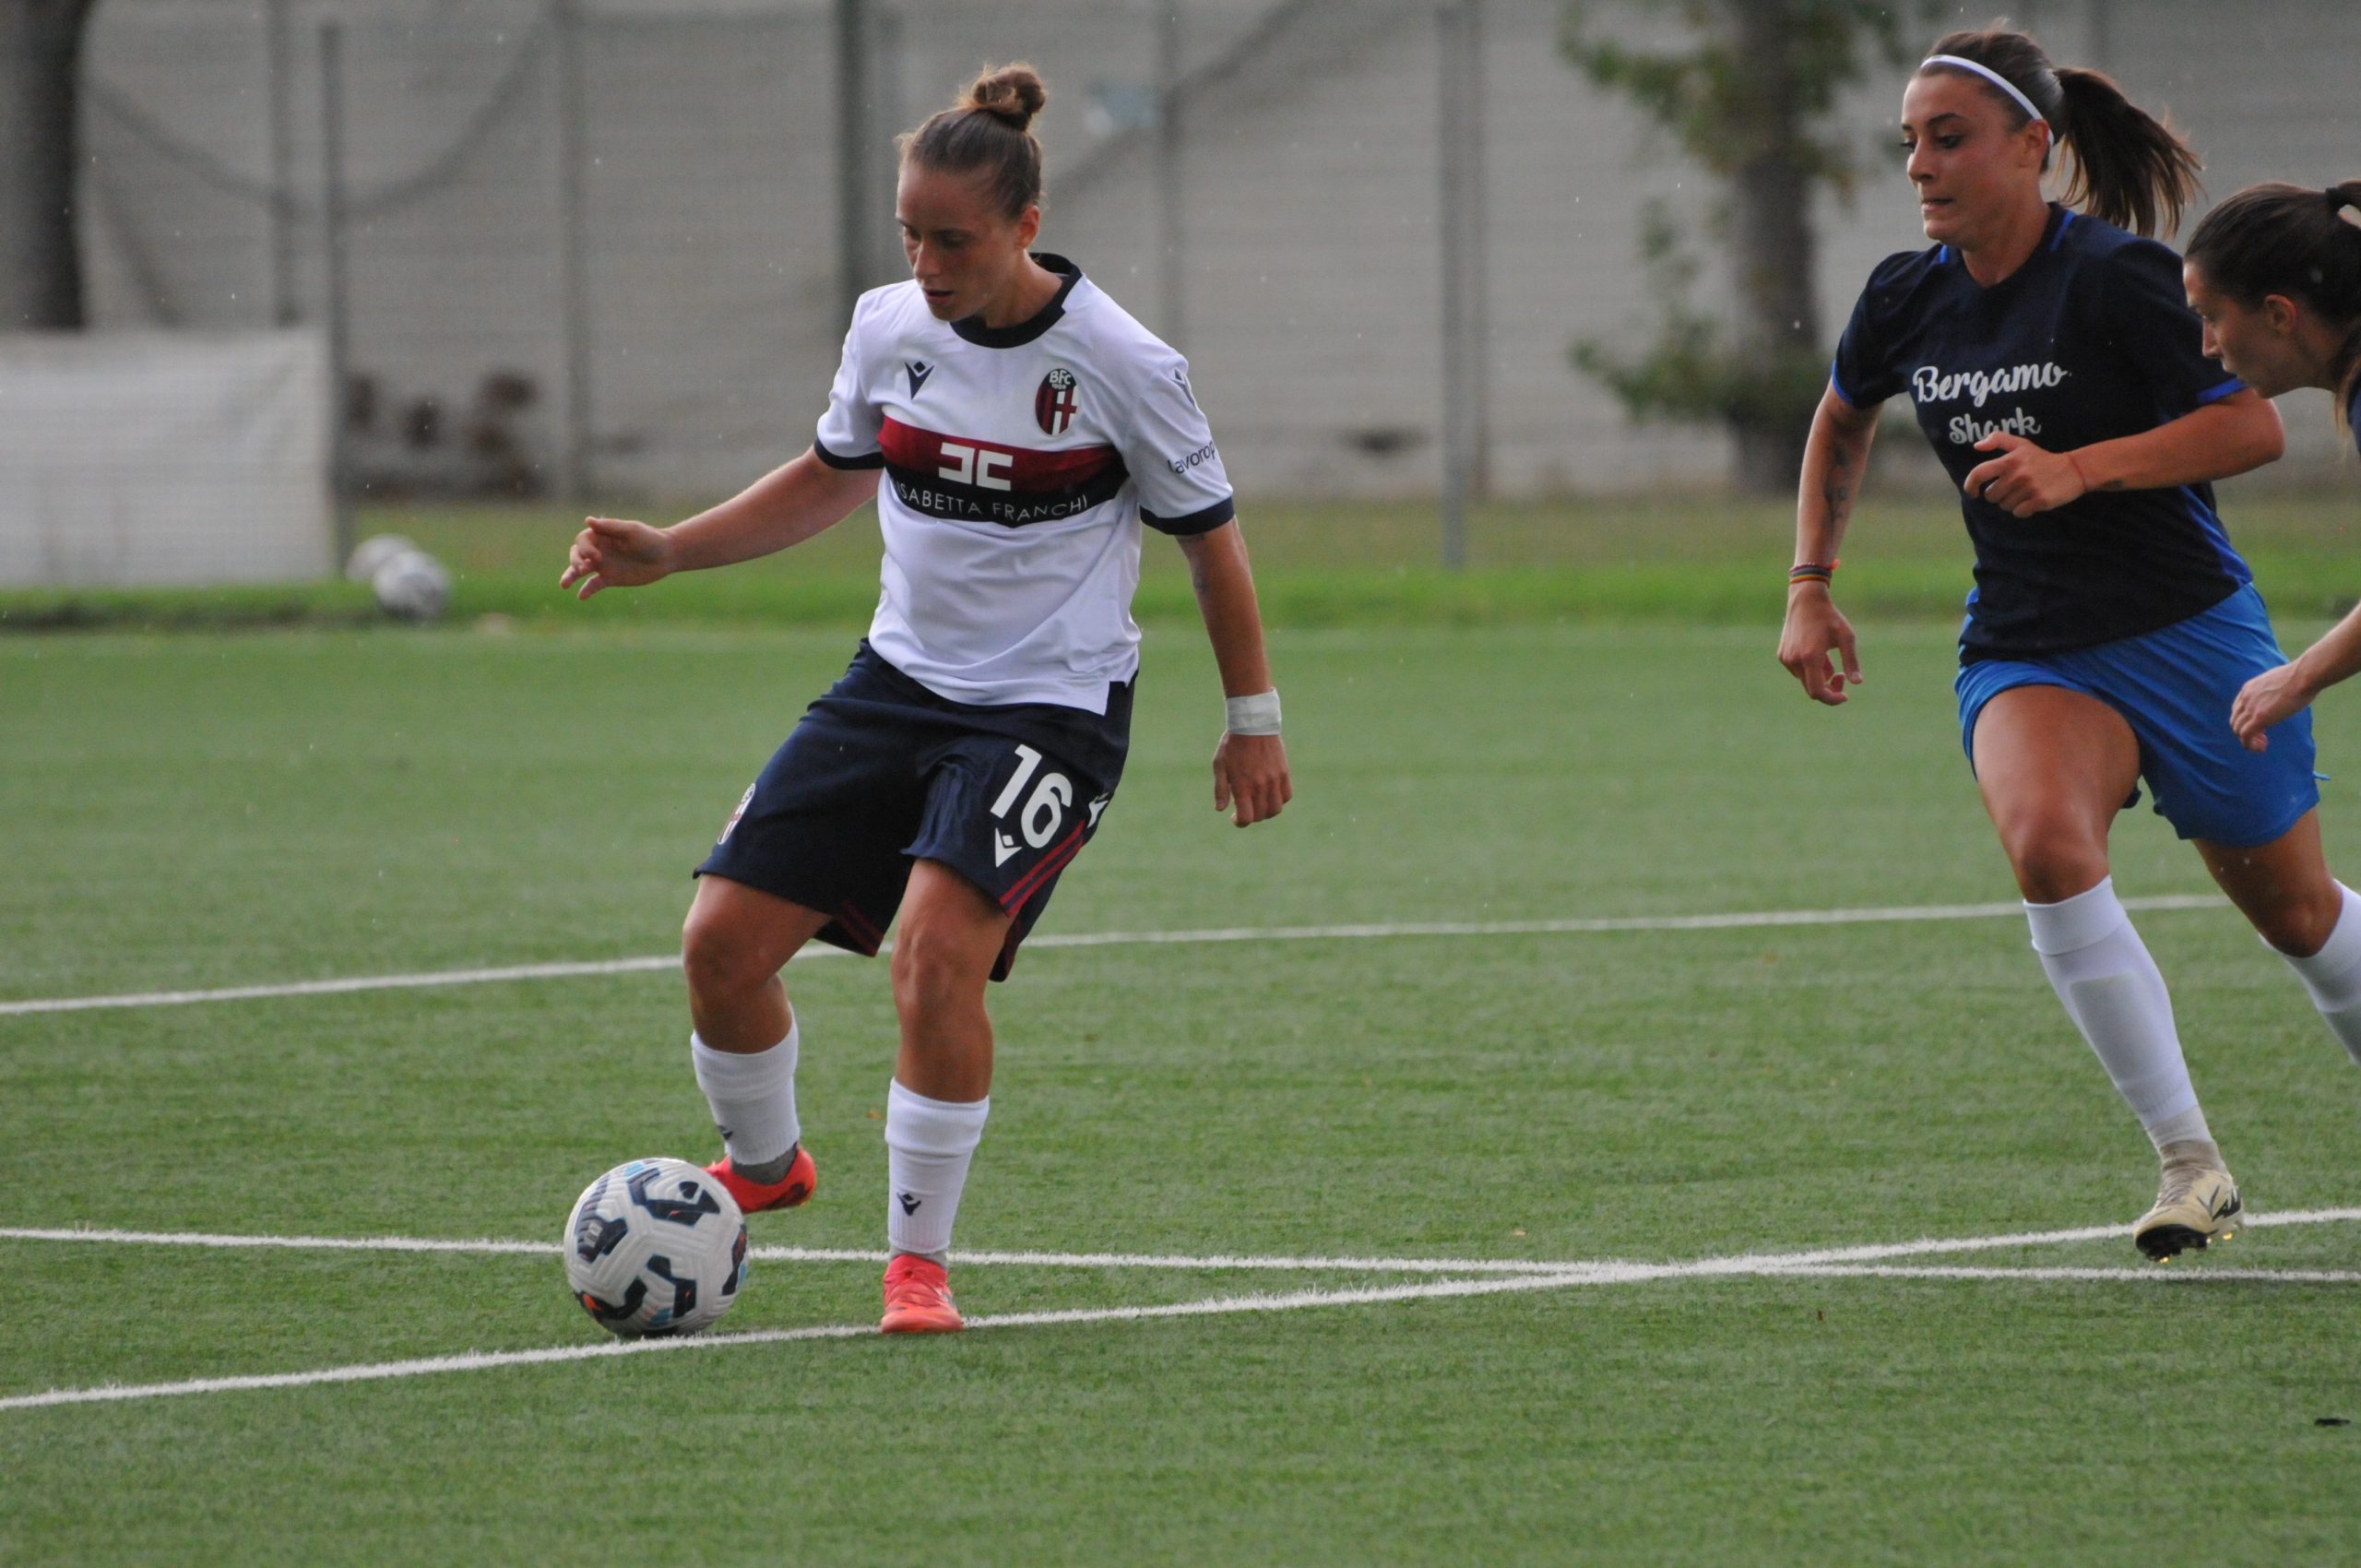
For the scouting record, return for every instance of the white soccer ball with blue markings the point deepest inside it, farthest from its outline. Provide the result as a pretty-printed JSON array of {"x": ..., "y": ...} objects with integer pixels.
[
  {"x": 655, "y": 1247},
  {"x": 410, "y": 584}
]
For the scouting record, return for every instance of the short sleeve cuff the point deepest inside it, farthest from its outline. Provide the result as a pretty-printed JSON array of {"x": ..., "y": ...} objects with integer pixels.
[
  {"x": 1837, "y": 387},
  {"x": 1204, "y": 520},
  {"x": 841, "y": 460},
  {"x": 2216, "y": 393}
]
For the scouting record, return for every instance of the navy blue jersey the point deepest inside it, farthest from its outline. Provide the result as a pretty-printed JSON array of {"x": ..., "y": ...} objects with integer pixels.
[
  {"x": 2352, "y": 416},
  {"x": 2091, "y": 339}
]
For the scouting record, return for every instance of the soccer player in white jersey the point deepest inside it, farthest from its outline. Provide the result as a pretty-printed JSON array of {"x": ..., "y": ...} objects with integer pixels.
[{"x": 1024, "y": 427}]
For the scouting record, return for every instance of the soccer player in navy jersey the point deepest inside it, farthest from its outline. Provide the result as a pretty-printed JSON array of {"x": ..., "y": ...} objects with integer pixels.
[
  {"x": 1025, "y": 427},
  {"x": 2054, "y": 363},
  {"x": 2275, "y": 274}
]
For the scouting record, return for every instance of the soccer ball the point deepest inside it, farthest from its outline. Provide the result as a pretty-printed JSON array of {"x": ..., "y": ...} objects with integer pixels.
[
  {"x": 655, "y": 1247},
  {"x": 411, "y": 585},
  {"x": 373, "y": 552}
]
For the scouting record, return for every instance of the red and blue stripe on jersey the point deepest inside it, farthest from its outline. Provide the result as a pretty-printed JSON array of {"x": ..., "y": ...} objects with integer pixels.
[{"x": 962, "y": 480}]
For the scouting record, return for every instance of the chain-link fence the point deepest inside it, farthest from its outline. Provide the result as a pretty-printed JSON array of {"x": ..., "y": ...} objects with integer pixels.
[{"x": 602, "y": 246}]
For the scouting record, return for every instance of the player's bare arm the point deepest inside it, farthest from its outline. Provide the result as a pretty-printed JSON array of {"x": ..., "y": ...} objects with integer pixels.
[
  {"x": 2277, "y": 694},
  {"x": 784, "y": 507},
  {"x": 1835, "y": 456},
  {"x": 1249, "y": 771},
  {"x": 2239, "y": 433}
]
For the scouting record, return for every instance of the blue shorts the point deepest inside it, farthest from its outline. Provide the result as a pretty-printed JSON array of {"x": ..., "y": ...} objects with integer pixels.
[
  {"x": 2173, "y": 686},
  {"x": 880, "y": 771}
]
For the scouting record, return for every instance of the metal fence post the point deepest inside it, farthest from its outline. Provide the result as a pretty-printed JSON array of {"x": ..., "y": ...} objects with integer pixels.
[
  {"x": 1478, "y": 275},
  {"x": 279, "y": 54},
  {"x": 1455, "y": 213},
  {"x": 332, "y": 227},
  {"x": 855, "y": 210},
  {"x": 1170, "y": 272},
  {"x": 574, "y": 251}
]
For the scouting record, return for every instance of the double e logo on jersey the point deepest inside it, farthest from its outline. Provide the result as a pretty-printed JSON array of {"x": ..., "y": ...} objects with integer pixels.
[
  {"x": 979, "y": 466},
  {"x": 1930, "y": 384}
]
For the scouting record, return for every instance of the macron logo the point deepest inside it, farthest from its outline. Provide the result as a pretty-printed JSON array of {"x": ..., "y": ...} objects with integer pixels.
[
  {"x": 1002, "y": 848},
  {"x": 909, "y": 1202},
  {"x": 917, "y": 371}
]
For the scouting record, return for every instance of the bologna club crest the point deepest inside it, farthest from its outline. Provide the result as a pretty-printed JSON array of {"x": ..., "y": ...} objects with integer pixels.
[{"x": 1053, "y": 404}]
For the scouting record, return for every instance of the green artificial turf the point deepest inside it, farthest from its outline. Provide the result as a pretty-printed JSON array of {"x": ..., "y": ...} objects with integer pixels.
[{"x": 186, "y": 812}]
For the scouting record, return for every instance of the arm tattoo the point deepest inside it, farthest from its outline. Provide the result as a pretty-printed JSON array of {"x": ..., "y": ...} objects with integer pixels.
[
  {"x": 1836, "y": 485},
  {"x": 1194, "y": 554}
]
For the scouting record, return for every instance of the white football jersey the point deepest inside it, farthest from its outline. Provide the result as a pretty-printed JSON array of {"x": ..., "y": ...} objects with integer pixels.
[{"x": 1019, "y": 463}]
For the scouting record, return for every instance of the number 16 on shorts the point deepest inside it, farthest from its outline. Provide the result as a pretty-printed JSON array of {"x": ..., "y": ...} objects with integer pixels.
[{"x": 1034, "y": 816}]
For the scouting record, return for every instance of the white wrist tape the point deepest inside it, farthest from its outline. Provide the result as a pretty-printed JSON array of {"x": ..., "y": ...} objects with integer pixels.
[{"x": 1254, "y": 715}]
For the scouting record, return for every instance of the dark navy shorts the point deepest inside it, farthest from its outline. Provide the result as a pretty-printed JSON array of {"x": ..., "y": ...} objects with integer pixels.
[
  {"x": 882, "y": 771},
  {"x": 2175, "y": 687}
]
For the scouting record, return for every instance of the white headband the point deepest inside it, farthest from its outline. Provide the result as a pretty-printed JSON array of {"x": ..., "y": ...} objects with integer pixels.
[{"x": 1989, "y": 75}]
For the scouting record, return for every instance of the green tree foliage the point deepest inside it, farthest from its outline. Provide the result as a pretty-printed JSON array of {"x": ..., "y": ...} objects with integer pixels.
[{"x": 1749, "y": 93}]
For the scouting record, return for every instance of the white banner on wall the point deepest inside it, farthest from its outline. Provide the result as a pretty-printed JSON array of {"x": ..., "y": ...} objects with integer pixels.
[{"x": 154, "y": 458}]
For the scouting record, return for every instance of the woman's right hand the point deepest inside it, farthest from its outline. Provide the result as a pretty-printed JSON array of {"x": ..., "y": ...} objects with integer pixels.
[
  {"x": 1814, "y": 630},
  {"x": 617, "y": 552},
  {"x": 2267, "y": 699}
]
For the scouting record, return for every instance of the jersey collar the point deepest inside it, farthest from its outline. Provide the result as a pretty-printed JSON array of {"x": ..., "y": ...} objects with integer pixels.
[{"x": 972, "y": 328}]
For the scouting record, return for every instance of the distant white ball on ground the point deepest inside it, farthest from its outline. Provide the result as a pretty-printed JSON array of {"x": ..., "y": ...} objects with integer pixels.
[
  {"x": 373, "y": 552},
  {"x": 655, "y": 1247},
  {"x": 412, "y": 586}
]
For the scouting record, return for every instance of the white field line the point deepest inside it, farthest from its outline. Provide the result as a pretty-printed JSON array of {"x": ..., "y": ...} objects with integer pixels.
[
  {"x": 1838, "y": 1261},
  {"x": 1217, "y": 1261},
  {"x": 1196, "y": 1262},
  {"x": 480, "y": 1361},
  {"x": 2163, "y": 1276},
  {"x": 1735, "y": 921}
]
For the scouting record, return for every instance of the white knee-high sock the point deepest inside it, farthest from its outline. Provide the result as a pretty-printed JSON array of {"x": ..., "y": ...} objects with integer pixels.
[
  {"x": 2102, "y": 972},
  {"x": 753, "y": 1096},
  {"x": 928, "y": 1145},
  {"x": 2333, "y": 975}
]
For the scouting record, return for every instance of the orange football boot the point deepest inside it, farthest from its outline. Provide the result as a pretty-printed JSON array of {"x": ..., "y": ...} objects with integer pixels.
[
  {"x": 754, "y": 1197},
  {"x": 918, "y": 1298}
]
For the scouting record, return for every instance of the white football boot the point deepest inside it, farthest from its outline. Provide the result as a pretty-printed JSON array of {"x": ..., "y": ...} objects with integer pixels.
[{"x": 2197, "y": 1203}]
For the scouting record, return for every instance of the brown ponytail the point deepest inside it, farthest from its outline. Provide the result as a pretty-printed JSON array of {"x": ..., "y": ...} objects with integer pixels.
[
  {"x": 2128, "y": 168},
  {"x": 2297, "y": 241},
  {"x": 987, "y": 129}
]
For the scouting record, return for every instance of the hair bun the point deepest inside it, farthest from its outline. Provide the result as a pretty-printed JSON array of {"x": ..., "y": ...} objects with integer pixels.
[{"x": 1011, "y": 94}]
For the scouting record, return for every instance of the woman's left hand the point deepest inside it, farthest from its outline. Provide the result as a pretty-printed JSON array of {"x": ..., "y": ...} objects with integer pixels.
[
  {"x": 2023, "y": 479},
  {"x": 1251, "y": 772}
]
